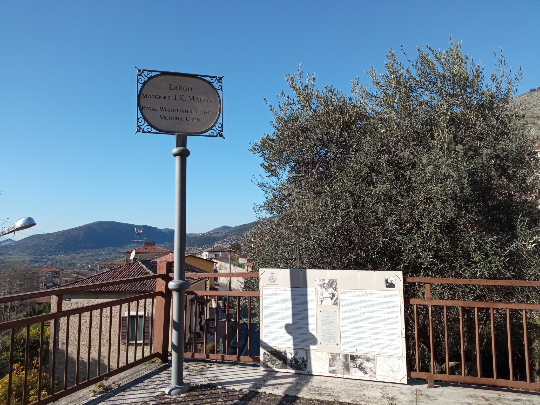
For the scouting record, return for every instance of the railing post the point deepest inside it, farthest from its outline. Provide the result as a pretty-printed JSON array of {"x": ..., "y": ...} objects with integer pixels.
[
  {"x": 431, "y": 377},
  {"x": 427, "y": 291},
  {"x": 162, "y": 313},
  {"x": 56, "y": 306}
]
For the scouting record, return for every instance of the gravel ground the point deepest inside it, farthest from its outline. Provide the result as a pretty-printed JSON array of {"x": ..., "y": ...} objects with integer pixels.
[
  {"x": 228, "y": 383},
  {"x": 211, "y": 394}
]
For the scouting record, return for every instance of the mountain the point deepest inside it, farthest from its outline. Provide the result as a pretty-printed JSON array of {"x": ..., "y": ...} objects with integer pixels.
[
  {"x": 97, "y": 235},
  {"x": 6, "y": 242},
  {"x": 223, "y": 235},
  {"x": 100, "y": 241},
  {"x": 217, "y": 230}
]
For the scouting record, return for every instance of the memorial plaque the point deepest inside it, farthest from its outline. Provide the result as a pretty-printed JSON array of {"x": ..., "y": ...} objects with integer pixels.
[
  {"x": 327, "y": 323},
  {"x": 356, "y": 315}
]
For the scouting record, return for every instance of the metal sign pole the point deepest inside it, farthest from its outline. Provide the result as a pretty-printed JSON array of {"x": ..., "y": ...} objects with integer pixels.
[
  {"x": 179, "y": 285},
  {"x": 179, "y": 103}
]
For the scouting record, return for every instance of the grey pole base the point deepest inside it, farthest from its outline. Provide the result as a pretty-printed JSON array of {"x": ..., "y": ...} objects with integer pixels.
[
  {"x": 177, "y": 389},
  {"x": 178, "y": 285}
]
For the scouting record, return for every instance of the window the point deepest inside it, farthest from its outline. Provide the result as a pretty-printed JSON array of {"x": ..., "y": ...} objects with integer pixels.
[
  {"x": 144, "y": 328},
  {"x": 132, "y": 323}
]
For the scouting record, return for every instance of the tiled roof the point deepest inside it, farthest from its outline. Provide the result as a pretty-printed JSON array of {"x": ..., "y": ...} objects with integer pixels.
[
  {"x": 170, "y": 258},
  {"x": 149, "y": 249},
  {"x": 46, "y": 269},
  {"x": 117, "y": 262},
  {"x": 192, "y": 269},
  {"x": 166, "y": 258},
  {"x": 135, "y": 269},
  {"x": 42, "y": 300}
]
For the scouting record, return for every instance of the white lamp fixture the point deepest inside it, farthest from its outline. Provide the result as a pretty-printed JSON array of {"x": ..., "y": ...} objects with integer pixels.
[{"x": 23, "y": 223}]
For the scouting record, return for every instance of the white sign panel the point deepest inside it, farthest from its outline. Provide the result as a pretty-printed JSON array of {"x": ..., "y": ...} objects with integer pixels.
[
  {"x": 340, "y": 323},
  {"x": 389, "y": 368},
  {"x": 289, "y": 318},
  {"x": 371, "y": 322}
]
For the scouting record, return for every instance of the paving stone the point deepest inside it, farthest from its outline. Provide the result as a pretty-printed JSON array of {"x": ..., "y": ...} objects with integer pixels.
[{"x": 222, "y": 383}]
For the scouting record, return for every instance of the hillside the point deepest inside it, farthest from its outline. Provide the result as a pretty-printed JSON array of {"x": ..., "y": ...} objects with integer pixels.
[
  {"x": 223, "y": 235},
  {"x": 110, "y": 234},
  {"x": 97, "y": 235},
  {"x": 6, "y": 242},
  {"x": 529, "y": 103},
  {"x": 83, "y": 246}
]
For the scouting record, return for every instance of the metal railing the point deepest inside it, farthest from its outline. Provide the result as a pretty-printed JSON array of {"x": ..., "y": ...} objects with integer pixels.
[
  {"x": 240, "y": 300},
  {"x": 481, "y": 324},
  {"x": 92, "y": 342},
  {"x": 87, "y": 343}
]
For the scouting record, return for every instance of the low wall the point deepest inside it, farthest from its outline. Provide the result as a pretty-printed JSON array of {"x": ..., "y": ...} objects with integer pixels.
[{"x": 236, "y": 282}]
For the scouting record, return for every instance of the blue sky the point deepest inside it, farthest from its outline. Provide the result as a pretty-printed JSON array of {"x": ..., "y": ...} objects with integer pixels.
[{"x": 68, "y": 92}]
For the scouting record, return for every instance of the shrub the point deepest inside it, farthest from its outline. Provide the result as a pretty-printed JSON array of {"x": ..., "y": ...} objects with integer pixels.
[
  {"x": 20, "y": 346},
  {"x": 17, "y": 384},
  {"x": 102, "y": 387}
]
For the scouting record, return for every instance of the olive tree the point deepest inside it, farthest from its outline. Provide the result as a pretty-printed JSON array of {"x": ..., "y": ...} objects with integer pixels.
[{"x": 428, "y": 171}]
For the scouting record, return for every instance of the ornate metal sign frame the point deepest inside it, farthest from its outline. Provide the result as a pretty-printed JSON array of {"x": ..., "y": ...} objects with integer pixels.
[{"x": 216, "y": 81}]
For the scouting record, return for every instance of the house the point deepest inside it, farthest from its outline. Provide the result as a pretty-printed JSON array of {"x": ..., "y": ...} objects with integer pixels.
[
  {"x": 195, "y": 252},
  {"x": 102, "y": 266},
  {"x": 101, "y": 328},
  {"x": 149, "y": 251},
  {"x": 47, "y": 277},
  {"x": 203, "y": 264},
  {"x": 69, "y": 276},
  {"x": 51, "y": 277},
  {"x": 216, "y": 252}
]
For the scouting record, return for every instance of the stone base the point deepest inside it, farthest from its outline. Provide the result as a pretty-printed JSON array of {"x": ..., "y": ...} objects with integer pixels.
[{"x": 177, "y": 389}]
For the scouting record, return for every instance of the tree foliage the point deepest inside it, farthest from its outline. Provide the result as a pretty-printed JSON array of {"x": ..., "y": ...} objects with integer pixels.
[
  {"x": 17, "y": 386},
  {"x": 19, "y": 347},
  {"x": 236, "y": 248},
  {"x": 428, "y": 171},
  {"x": 16, "y": 278}
]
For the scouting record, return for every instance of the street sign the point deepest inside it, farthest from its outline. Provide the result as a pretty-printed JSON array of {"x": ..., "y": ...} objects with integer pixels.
[{"x": 179, "y": 103}]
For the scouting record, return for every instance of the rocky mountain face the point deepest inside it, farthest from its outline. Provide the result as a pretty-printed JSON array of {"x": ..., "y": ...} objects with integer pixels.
[{"x": 529, "y": 104}]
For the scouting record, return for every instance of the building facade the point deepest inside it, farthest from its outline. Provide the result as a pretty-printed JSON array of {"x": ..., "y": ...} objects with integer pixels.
[
  {"x": 124, "y": 328},
  {"x": 149, "y": 251}
]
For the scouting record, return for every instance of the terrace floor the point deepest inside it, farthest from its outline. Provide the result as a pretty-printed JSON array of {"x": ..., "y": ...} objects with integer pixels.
[{"x": 245, "y": 383}]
